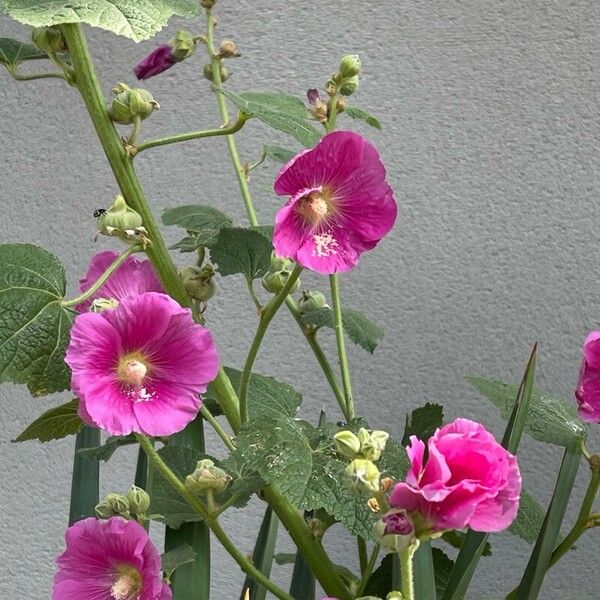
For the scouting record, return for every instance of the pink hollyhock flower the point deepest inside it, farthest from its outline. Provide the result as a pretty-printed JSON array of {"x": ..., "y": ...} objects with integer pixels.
[
  {"x": 140, "y": 366},
  {"x": 132, "y": 278},
  {"x": 588, "y": 388},
  {"x": 468, "y": 480},
  {"x": 340, "y": 205},
  {"x": 156, "y": 62},
  {"x": 109, "y": 559}
]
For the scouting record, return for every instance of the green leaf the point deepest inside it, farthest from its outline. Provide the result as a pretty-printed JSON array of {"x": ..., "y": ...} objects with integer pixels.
[
  {"x": 105, "y": 451},
  {"x": 394, "y": 460},
  {"x": 187, "y": 244},
  {"x": 549, "y": 419},
  {"x": 54, "y": 424},
  {"x": 238, "y": 250},
  {"x": 529, "y": 519},
  {"x": 203, "y": 224},
  {"x": 85, "y": 485},
  {"x": 303, "y": 584},
  {"x": 278, "y": 154},
  {"x": 423, "y": 422},
  {"x": 360, "y": 330},
  {"x": 181, "y": 555},
  {"x": 266, "y": 230},
  {"x": 135, "y": 19},
  {"x": 424, "y": 575},
  {"x": 280, "y": 111},
  {"x": 380, "y": 581},
  {"x": 14, "y": 52},
  {"x": 442, "y": 567},
  {"x": 34, "y": 326},
  {"x": 362, "y": 115},
  {"x": 456, "y": 539}
]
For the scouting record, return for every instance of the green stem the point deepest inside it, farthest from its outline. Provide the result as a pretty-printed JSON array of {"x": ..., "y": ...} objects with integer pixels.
[
  {"x": 362, "y": 553},
  {"x": 103, "y": 278},
  {"x": 194, "y": 135},
  {"x": 252, "y": 292},
  {"x": 366, "y": 573},
  {"x": 209, "y": 519},
  {"x": 240, "y": 172},
  {"x": 406, "y": 565},
  {"x": 135, "y": 130},
  {"x": 341, "y": 344},
  {"x": 333, "y": 113},
  {"x": 20, "y": 77},
  {"x": 217, "y": 427},
  {"x": 266, "y": 316}
]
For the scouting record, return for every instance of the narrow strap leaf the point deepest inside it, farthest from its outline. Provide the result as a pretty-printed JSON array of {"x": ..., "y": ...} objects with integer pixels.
[
  {"x": 303, "y": 583},
  {"x": 141, "y": 470},
  {"x": 263, "y": 555},
  {"x": 85, "y": 486},
  {"x": 424, "y": 575}
]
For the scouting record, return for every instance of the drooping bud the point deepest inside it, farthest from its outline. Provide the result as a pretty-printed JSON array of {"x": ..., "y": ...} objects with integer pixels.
[
  {"x": 318, "y": 107},
  {"x": 350, "y": 66},
  {"x": 311, "y": 301},
  {"x": 363, "y": 475},
  {"x": 207, "y": 477},
  {"x": 395, "y": 530},
  {"x": 139, "y": 501},
  {"x": 123, "y": 222},
  {"x": 183, "y": 44},
  {"x": 113, "y": 505},
  {"x": 131, "y": 103},
  {"x": 228, "y": 49},
  {"x": 198, "y": 282},
  {"x": 49, "y": 39},
  {"x": 372, "y": 444},
  {"x": 349, "y": 86},
  {"x": 347, "y": 444},
  {"x": 208, "y": 72},
  {"x": 278, "y": 275}
]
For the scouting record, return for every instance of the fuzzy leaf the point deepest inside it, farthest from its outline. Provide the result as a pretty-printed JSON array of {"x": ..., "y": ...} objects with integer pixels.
[
  {"x": 14, "y": 52},
  {"x": 105, "y": 451},
  {"x": 360, "y": 330},
  {"x": 530, "y": 519},
  {"x": 280, "y": 111},
  {"x": 182, "y": 555},
  {"x": 241, "y": 251},
  {"x": 362, "y": 115},
  {"x": 203, "y": 224},
  {"x": 278, "y": 154},
  {"x": 549, "y": 419},
  {"x": 34, "y": 326},
  {"x": 423, "y": 422},
  {"x": 54, "y": 424},
  {"x": 135, "y": 19}
]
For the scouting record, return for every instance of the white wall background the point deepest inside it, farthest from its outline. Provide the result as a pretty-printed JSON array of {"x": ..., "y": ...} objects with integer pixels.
[{"x": 491, "y": 139}]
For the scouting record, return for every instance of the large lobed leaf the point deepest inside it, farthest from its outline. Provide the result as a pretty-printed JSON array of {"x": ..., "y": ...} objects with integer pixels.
[
  {"x": 54, "y": 424},
  {"x": 135, "y": 19},
  {"x": 14, "y": 52},
  {"x": 242, "y": 251},
  {"x": 203, "y": 224},
  {"x": 34, "y": 326}
]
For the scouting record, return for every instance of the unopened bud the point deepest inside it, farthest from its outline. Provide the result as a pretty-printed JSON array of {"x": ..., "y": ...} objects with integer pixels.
[
  {"x": 386, "y": 484},
  {"x": 311, "y": 301},
  {"x": 228, "y": 49},
  {"x": 139, "y": 500},
  {"x": 372, "y": 444},
  {"x": 100, "y": 304},
  {"x": 113, "y": 505},
  {"x": 208, "y": 3},
  {"x": 183, "y": 45},
  {"x": 347, "y": 444},
  {"x": 207, "y": 477},
  {"x": 49, "y": 39},
  {"x": 349, "y": 86},
  {"x": 198, "y": 282},
  {"x": 119, "y": 217},
  {"x": 208, "y": 72},
  {"x": 373, "y": 505},
  {"x": 341, "y": 104},
  {"x": 395, "y": 530},
  {"x": 278, "y": 275},
  {"x": 131, "y": 103},
  {"x": 350, "y": 66},
  {"x": 394, "y": 596},
  {"x": 364, "y": 475},
  {"x": 331, "y": 87},
  {"x": 318, "y": 108}
]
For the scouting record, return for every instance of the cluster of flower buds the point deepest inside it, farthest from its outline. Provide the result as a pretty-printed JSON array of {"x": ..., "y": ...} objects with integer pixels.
[
  {"x": 49, "y": 39},
  {"x": 345, "y": 81},
  {"x": 131, "y": 104},
  {"x": 278, "y": 275},
  {"x": 227, "y": 49},
  {"x": 123, "y": 222},
  {"x": 207, "y": 478},
  {"x": 177, "y": 49},
  {"x": 198, "y": 282},
  {"x": 311, "y": 301},
  {"x": 134, "y": 505}
]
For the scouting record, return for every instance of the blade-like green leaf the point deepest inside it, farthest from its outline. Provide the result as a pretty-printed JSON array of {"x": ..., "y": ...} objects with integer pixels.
[
  {"x": 262, "y": 556},
  {"x": 423, "y": 422},
  {"x": 13, "y": 52},
  {"x": 442, "y": 567},
  {"x": 202, "y": 223},
  {"x": 85, "y": 486},
  {"x": 456, "y": 539},
  {"x": 105, "y": 451},
  {"x": 362, "y": 115},
  {"x": 303, "y": 585},
  {"x": 380, "y": 581},
  {"x": 135, "y": 19},
  {"x": 360, "y": 330},
  {"x": 282, "y": 112},
  {"x": 530, "y": 519},
  {"x": 278, "y": 154},
  {"x": 34, "y": 326},
  {"x": 423, "y": 571},
  {"x": 54, "y": 424},
  {"x": 182, "y": 555},
  {"x": 241, "y": 251}
]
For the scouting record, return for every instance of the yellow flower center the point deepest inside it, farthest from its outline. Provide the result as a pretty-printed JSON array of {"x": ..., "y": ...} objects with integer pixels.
[
  {"x": 316, "y": 206},
  {"x": 132, "y": 369},
  {"x": 128, "y": 584}
]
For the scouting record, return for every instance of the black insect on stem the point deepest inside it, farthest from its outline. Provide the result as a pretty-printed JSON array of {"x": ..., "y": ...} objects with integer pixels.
[{"x": 99, "y": 212}]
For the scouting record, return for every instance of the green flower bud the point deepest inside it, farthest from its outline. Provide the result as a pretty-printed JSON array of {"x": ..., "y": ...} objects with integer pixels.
[
  {"x": 49, "y": 39},
  {"x": 280, "y": 263},
  {"x": 113, "y": 505},
  {"x": 310, "y": 301},
  {"x": 131, "y": 103},
  {"x": 208, "y": 72},
  {"x": 275, "y": 282},
  {"x": 100, "y": 304},
  {"x": 119, "y": 216},
  {"x": 207, "y": 477},
  {"x": 349, "y": 86},
  {"x": 198, "y": 282},
  {"x": 347, "y": 444},
  {"x": 139, "y": 500},
  {"x": 363, "y": 475},
  {"x": 372, "y": 444},
  {"x": 395, "y": 530},
  {"x": 183, "y": 45},
  {"x": 394, "y": 596},
  {"x": 350, "y": 66}
]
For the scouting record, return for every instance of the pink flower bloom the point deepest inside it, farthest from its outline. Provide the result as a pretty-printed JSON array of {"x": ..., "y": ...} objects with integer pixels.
[
  {"x": 588, "y": 388},
  {"x": 468, "y": 480},
  {"x": 109, "y": 560},
  {"x": 140, "y": 366},
  {"x": 133, "y": 277},
  {"x": 340, "y": 205},
  {"x": 156, "y": 62}
]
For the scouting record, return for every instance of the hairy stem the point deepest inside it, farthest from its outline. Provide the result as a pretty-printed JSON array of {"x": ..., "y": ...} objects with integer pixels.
[
  {"x": 406, "y": 565},
  {"x": 33, "y": 76},
  {"x": 217, "y": 427}
]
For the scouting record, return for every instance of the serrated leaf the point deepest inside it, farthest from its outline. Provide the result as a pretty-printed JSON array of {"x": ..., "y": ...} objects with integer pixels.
[
  {"x": 182, "y": 555},
  {"x": 423, "y": 422},
  {"x": 34, "y": 326},
  {"x": 54, "y": 424},
  {"x": 394, "y": 461},
  {"x": 14, "y": 52},
  {"x": 362, "y": 115},
  {"x": 549, "y": 419},
  {"x": 203, "y": 224},
  {"x": 280, "y": 111},
  {"x": 529, "y": 519},
  {"x": 105, "y": 451},
  {"x": 135, "y": 19},
  {"x": 456, "y": 538},
  {"x": 359, "y": 328},
  {"x": 241, "y": 251},
  {"x": 278, "y": 154},
  {"x": 266, "y": 230}
]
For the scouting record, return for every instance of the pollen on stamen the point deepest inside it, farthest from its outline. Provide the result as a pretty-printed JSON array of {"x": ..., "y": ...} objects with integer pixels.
[
  {"x": 325, "y": 245},
  {"x": 124, "y": 588}
]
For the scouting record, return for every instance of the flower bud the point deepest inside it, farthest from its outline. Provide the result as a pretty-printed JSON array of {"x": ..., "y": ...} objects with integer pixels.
[
  {"x": 139, "y": 500},
  {"x": 198, "y": 282},
  {"x": 208, "y": 3},
  {"x": 394, "y": 595},
  {"x": 350, "y": 66},
  {"x": 49, "y": 39},
  {"x": 207, "y": 477},
  {"x": 113, "y": 505},
  {"x": 183, "y": 45},
  {"x": 331, "y": 87},
  {"x": 208, "y": 72},
  {"x": 347, "y": 444},
  {"x": 349, "y": 86},
  {"x": 278, "y": 275},
  {"x": 364, "y": 475},
  {"x": 372, "y": 444},
  {"x": 395, "y": 530},
  {"x": 318, "y": 107},
  {"x": 228, "y": 49},
  {"x": 100, "y": 304},
  {"x": 131, "y": 103},
  {"x": 310, "y": 301},
  {"x": 119, "y": 217}
]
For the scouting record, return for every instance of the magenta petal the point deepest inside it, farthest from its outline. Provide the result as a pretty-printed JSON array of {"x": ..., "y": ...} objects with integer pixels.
[
  {"x": 156, "y": 62},
  {"x": 329, "y": 251}
]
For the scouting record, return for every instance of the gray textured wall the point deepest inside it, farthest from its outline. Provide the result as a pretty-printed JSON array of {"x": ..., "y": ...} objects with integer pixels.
[{"x": 491, "y": 139}]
